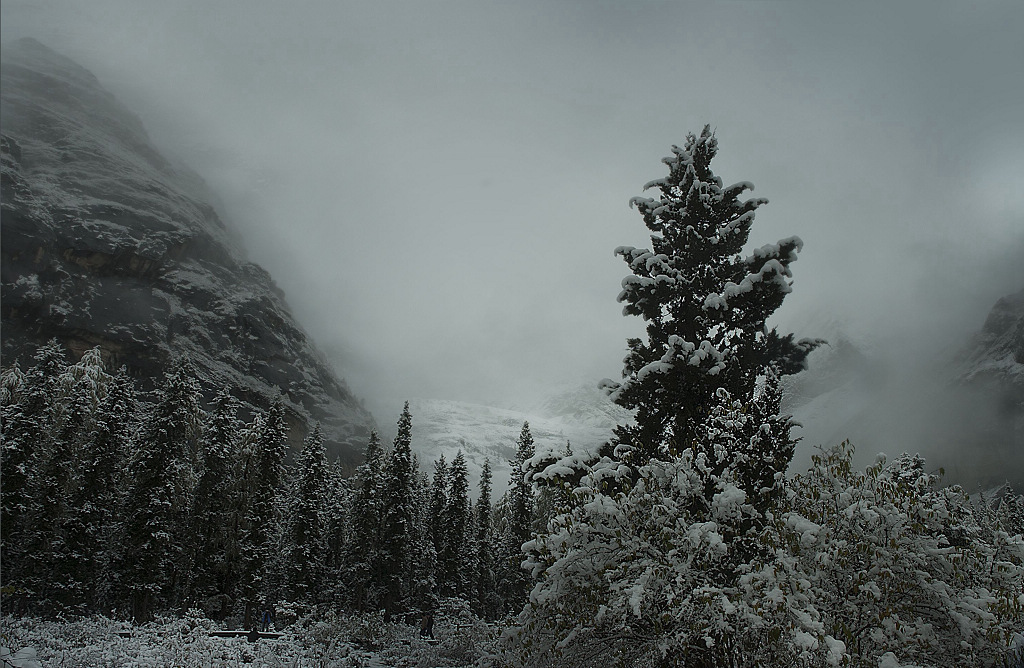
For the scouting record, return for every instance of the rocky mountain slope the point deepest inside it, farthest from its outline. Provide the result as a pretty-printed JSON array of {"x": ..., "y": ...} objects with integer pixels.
[
  {"x": 996, "y": 356},
  {"x": 105, "y": 243}
]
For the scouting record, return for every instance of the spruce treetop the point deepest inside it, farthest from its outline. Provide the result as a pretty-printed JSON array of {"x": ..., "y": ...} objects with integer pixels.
[{"x": 704, "y": 302}]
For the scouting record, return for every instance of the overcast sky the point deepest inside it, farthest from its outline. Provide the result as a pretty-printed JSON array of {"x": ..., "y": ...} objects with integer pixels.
[{"x": 438, "y": 186}]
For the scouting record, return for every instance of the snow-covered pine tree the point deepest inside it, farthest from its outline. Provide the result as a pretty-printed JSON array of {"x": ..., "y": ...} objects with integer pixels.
[
  {"x": 554, "y": 476},
  {"x": 83, "y": 388},
  {"x": 305, "y": 547},
  {"x": 215, "y": 523},
  {"x": 26, "y": 430},
  {"x": 103, "y": 485},
  {"x": 664, "y": 554},
  {"x": 53, "y": 526},
  {"x": 266, "y": 444},
  {"x": 399, "y": 516},
  {"x": 519, "y": 520},
  {"x": 485, "y": 601},
  {"x": 337, "y": 534},
  {"x": 159, "y": 496},
  {"x": 422, "y": 556},
  {"x": 705, "y": 305},
  {"x": 363, "y": 551},
  {"x": 438, "y": 500},
  {"x": 457, "y": 555}
]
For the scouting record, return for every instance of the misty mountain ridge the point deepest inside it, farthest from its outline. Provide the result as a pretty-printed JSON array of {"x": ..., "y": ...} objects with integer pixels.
[
  {"x": 105, "y": 243},
  {"x": 962, "y": 407}
]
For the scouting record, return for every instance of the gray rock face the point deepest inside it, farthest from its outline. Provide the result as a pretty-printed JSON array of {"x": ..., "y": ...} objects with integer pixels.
[
  {"x": 996, "y": 355},
  {"x": 105, "y": 243}
]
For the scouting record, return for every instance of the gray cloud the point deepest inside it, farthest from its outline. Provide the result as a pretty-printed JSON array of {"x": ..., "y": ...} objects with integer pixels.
[{"x": 438, "y": 186}]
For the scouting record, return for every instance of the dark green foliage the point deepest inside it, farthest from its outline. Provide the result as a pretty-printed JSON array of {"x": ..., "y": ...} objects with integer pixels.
[
  {"x": 457, "y": 553},
  {"x": 399, "y": 515},
  {"x": 485, "y": 596},
  {"x": 136, "y": 507},
  {"x": 161, "y": 483},
  {"x": 215, "y": 525},
  {"x": 363, "y": 562},
  {"x": 305, "y": 544},
  {"x": 519, "y": 521},
  {"x": 423, "y": 586},
  {"x": 438, "y": 501},
  {"x": 265, "y": 445},
  {"x": 100, "y": 496},
  {"x": 27, "y": 435},
  {"x": 705, "y": 306}
]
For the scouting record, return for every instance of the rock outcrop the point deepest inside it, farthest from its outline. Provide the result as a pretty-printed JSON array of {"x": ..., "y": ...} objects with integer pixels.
[{"x": 105, "y": 243}]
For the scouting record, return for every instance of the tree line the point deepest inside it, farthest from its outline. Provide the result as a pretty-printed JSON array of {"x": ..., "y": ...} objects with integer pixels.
[{"x": 133, "y": 503}]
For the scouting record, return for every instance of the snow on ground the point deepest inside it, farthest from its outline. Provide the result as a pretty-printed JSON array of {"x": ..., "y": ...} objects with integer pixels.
[{"x": 362, "y": 641}]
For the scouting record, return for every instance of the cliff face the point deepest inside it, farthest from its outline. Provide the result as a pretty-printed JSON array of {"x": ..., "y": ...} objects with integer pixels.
[
  {"x": 105, "y": 243},
  {"x": 996, "y": 356}
]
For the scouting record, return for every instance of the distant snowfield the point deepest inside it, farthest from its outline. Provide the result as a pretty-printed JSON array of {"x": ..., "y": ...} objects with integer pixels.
[{"x": 580, "y": 416}]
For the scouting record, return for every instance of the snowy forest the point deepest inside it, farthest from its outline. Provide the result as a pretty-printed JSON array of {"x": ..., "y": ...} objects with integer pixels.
[{"x": 686, "y": 539}]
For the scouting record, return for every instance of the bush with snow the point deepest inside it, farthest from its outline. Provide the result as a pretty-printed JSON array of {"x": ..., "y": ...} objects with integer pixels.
[{"x": 846, "y": 568}]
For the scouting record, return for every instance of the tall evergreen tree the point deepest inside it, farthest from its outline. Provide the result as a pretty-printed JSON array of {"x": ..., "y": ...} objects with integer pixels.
[
  {"x": 457, "y": 554},
  {"x": 52, "y": 528},
  {"x": 27, "y": 434},
  {"x": 705, "y": 305},
  {"x": 103, "y": 482},
  {"x": 485, "y": 601},
  {"x": 215, "y": 529},
  {"x": 305, "y": 544},
  {"x": 337, "y": 533},
  {"x": 264, "y": 468},
  {"x": 161, "y": 483},
  {"x": 398, "y": 518},
  {"x": 435, "y": 521},
  {"x": 77, "y": 526},
  {"x": 422, "y": 555},
  {"x": 519, "y": 523},
  {"x": 363, "y": 552}
]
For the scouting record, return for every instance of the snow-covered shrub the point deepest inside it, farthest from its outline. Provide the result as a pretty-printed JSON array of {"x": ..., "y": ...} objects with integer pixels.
[
  {"x": 898, "y": 564},
  {"x": 844, "y": 568},
  {"x": 655, "y": 574}
]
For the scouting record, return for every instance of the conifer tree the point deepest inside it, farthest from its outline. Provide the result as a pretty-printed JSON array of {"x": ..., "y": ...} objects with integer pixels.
[
  {"x": 457, "y": 555},
  {"x": 337, "y": 533},
  {"x": 305, "y": 546},
  {"x": 75, "y": 522},
  {"x": 27, "y": 434},
  {"x": 665, "y": 539},
  {"x": 51, "y": 525},
  {"x": 161, "y": 483},
  {"x": 438, "y": 500},
  {"x": 365, "y": 575},
  {"x": 519, "y": 523},
  {"x": 705, "y": 305},
  {"x": 264, "y": 468},
  {"x": 485, "y": 602},
  {"x": 103, "y": 481},
  {"x": 214, "y": 516},
  {"x": 398, "y": 518},
  {"x": 423, "y": 558}
]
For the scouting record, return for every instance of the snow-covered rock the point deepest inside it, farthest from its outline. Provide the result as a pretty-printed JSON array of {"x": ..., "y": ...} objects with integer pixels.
[{"x": 105, "y": 243}]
